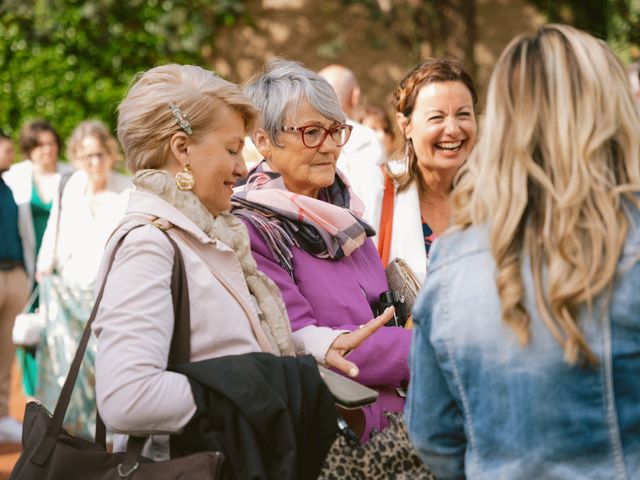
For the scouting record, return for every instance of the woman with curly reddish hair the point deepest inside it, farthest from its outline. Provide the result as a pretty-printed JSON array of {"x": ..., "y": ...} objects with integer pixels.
[{"x": 435, "y": 110}]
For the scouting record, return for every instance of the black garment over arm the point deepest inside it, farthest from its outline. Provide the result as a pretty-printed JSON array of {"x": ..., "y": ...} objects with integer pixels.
[{"x": 273, "y": 417}]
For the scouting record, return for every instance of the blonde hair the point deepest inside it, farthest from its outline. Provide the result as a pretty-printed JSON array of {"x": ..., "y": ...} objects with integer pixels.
[
  {"x": 550, "y": 175},
  {"x": 145, "y": 122},
  {"x": 98, "y": 130}
]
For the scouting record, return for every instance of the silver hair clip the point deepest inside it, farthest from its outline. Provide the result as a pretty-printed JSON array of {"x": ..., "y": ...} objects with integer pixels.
[{"x": 181, "y": 118}]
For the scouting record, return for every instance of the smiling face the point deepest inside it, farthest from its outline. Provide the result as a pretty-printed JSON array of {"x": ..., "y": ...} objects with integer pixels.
[
  {"x": 442, "y": 126},
  {"x": 95, "y": 160},
  {"x": 216, "y": 161},
  {"x": 304, "y": 170}
]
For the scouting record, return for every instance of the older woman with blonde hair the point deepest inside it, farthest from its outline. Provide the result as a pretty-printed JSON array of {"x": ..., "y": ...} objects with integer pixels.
[{"x": 526, "y": 347}]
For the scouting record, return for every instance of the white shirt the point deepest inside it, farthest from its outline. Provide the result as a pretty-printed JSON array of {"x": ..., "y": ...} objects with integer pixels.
[
  {"x": 407, "y": 239},
  {"x": 84, "y": 230},
  {"x": 360, "y": 160},
  {"x": 19, "y": 178}
]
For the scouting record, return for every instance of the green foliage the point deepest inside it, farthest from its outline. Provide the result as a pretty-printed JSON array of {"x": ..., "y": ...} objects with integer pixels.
[
  {"x": 68, "y": 60},
  {"x": 435, "y": 22},
  {"x": 616, "y": 21}
]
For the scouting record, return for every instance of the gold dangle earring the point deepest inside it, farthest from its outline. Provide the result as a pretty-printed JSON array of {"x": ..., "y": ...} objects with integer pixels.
[{"x": 184, "y": 179}]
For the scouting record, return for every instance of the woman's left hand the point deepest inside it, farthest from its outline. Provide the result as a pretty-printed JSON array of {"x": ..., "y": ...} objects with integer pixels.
[{"x": 346, "y": 342}]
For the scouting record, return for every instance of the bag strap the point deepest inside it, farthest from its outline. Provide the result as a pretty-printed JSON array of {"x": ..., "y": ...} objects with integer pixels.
[
  {"x": 179, "y": 342},
  {"x": 32, "y": 299},
  {"x": 64, "y": 178},
  {"x": 386, "y": 219},
  {"x": 180, "y": 349},
  {"x": 252, "y": 316},
  {"x": 131, "y": 461}
]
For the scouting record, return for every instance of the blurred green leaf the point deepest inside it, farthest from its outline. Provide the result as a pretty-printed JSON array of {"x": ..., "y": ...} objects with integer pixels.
[
  {"x": 616, "y": 21},
  {"x": 68, "y": 60}
]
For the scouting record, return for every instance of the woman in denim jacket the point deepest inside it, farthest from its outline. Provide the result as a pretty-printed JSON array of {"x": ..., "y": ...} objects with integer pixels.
[{"x": 525, "y": 359}]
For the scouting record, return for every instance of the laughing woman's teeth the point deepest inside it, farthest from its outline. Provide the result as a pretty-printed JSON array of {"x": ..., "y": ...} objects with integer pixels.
[{"x": 449, "y": 145}]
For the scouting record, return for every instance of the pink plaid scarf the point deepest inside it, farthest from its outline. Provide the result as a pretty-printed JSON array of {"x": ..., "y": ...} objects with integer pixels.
[{"x": 328, "y": 227}]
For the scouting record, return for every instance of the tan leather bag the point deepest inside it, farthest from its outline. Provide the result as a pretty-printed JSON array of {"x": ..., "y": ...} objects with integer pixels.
[{"x": 402, "y": 279}]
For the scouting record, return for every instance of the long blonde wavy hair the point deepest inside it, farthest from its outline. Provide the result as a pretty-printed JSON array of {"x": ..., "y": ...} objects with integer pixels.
[{"x": 560, "y": 153}]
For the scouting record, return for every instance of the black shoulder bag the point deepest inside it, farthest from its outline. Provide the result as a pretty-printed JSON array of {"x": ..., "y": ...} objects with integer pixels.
[{"x": 50, "y": 453}]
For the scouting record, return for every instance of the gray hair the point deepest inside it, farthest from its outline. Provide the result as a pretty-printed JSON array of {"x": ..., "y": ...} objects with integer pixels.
[{"x": 282, "y": 86}]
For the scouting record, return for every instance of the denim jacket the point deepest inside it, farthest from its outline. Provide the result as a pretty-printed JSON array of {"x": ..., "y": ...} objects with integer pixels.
[{"x": 482, "y": 406}]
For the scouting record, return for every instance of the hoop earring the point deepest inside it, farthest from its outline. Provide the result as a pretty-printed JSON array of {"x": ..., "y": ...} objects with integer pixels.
[
  {"x": 408, "y": 153},
  {"x": 184, "y": 179}
]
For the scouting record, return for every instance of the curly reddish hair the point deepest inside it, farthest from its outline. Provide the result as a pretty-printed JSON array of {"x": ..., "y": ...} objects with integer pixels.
[{"x": 432, "y": 70}]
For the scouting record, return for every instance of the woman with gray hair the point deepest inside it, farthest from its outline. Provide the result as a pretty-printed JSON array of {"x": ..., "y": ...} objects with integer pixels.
[{"x": 308, "y": 235}]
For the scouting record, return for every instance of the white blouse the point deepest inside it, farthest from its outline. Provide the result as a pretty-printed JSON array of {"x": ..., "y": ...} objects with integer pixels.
[{"x": 84, "y": 228}]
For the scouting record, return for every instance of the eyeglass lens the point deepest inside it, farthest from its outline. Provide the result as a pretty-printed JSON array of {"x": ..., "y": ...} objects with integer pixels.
[
  {"x": 314, "y": 136},
  {"x": 99, "y": 156}
]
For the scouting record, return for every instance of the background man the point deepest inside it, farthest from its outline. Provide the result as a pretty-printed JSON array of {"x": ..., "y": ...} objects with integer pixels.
[
  {"x": 363, "y": 155},
  {"x": 14, "y": 290}
]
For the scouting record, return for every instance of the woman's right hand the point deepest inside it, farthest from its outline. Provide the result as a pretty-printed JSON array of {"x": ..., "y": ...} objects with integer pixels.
[{"x": 346, "y": 342}]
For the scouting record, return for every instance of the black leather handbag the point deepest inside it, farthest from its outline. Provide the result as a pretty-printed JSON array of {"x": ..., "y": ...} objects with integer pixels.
[{"x": 50, "y": 453}]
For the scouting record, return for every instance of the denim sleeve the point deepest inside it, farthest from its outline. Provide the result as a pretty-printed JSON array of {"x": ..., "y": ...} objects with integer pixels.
[{"x": 434, "y": 421}]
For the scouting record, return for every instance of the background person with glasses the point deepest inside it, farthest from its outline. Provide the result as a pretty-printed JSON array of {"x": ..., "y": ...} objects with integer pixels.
[
  {"x": 92, "y": 203},
  {"x": 308, "y": 236}
]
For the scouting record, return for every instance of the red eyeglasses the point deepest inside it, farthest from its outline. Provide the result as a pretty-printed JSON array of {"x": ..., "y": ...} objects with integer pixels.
[{"x": 314, "y": 135}]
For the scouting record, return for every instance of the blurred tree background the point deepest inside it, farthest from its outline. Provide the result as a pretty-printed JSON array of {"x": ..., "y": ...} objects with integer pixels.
[
  {"x": 68, "y": 60},
  {"x": 616, "y": 21},
  {"x": 448, "y": 27}
]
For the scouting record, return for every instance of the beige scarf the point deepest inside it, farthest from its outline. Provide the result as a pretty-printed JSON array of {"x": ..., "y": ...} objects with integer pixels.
[{"x": 231, "y": 231}]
